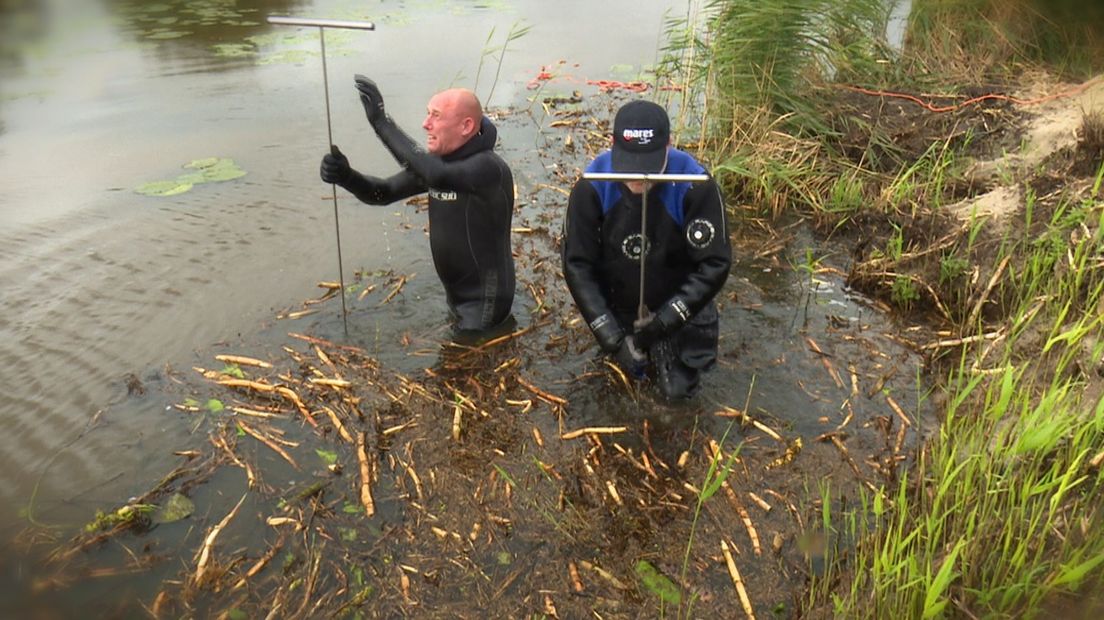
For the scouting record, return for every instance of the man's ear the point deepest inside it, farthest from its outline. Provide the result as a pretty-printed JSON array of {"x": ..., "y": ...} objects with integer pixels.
[{"x": 471, "y": 127}]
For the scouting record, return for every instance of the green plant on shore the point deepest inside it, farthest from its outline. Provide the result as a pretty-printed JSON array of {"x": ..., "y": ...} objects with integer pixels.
[
  {"x": 1027, "y": 436},
  {"x": 498, "y": 53},
  {"x": 972, "y": 37}
]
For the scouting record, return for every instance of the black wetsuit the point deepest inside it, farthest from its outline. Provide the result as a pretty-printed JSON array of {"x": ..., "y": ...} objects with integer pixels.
[
  {"x": 688, "y": 257},
  {"x": 471, "y": 206}
]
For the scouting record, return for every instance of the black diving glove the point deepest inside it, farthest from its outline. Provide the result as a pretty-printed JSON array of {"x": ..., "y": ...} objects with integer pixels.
[
  {"x": 608, "y": 333},
  {"x": 631, "y": 359},
  {"x": 371, "y": 98},
  {"x": 664, "y": 322},
  {"x": 335, "y": 166}
]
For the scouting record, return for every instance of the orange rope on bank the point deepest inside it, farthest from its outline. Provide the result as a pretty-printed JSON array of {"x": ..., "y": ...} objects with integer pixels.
[{"x": 950, "y": 108}]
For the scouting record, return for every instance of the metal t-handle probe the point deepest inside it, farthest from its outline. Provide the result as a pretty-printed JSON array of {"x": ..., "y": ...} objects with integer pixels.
[
  {"x": 648, "y": 178},
  {"x": 322, "y": 24}
]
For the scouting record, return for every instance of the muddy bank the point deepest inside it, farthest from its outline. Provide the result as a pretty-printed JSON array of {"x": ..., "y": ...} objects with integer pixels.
[{"x": 521, "y": 477}]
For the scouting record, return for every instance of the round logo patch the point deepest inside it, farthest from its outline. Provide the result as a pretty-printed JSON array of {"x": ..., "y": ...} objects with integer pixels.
[
  {"x": 633, "y": 245},
  {"x": 699, "y": 233}
]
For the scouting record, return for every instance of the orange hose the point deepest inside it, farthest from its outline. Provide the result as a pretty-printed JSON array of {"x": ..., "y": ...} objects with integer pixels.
[{"x": 950, "y": 108}]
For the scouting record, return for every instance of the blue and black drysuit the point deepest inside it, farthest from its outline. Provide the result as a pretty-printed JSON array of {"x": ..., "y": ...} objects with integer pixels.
[
  {"x": 471, "y": 206},
  {"x": 688, "y": 258}
]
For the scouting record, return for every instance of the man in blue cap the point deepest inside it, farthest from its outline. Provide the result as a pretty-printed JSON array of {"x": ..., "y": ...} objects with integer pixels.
[{"x": 685, "y": 246}]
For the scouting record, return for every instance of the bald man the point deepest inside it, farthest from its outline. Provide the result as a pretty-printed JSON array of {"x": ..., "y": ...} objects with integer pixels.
[{"x": 471, "y": 200}]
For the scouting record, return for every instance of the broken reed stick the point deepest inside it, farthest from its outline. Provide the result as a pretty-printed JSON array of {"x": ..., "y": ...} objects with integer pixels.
[
  {"x": 826, "y": 362},
  {"x": 398, "y": 287},
  {"x": 260, "y": 564},
  {"x": 976, "y": 310},
  {"x": 220, "y": 442},
  {"x": 341, "y": 430},
  {"x": 604, "y": 574},
  {"x": 954, "y": 342},
  {"x": 209, "y": 541},
  {"x": 243, "y": 361},
  {"x": 573, "y": 572},
  {"x": 620, "y": 375},
  {"x": 595, "y": 430},
  {"x": 365, "y": 475},
  {"x": 897, "y": 409},
  {"x": 737, "y": 581},
  {"x": 268, "y": 442},
  {"x": 268, "y": 389},
  {"x": 541, "y": 394},
  {"x": 717, "y": 455},
  {"x": 294, "y": 398},
  {"x": 731, "y": 412},
  {"x": 759, "y": 501},
  {"x": 614, "y": 494}
]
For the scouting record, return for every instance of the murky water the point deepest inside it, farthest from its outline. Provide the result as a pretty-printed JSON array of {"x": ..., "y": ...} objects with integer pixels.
[
  {"x": 110, "y": 296},
  {"x": 101, "y": 282}
]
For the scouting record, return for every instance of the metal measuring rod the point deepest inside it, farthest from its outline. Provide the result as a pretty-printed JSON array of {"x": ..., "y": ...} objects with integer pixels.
[
  {"x": 648, "y": 178},
  {"x": 322, "y": 24}
]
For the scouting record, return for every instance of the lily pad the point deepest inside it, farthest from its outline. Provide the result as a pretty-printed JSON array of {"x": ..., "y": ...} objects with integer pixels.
[
  {"x": 164, "y": 188},
  {"x": 207, "y": 170},
  {"x": 206, "y": 162},
  {"x": 658, "y": 583},
  {"x": 177, "y": 507}
]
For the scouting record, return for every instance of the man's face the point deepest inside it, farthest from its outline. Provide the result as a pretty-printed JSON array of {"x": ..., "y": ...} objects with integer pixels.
[{"x": 446, "y": 129}]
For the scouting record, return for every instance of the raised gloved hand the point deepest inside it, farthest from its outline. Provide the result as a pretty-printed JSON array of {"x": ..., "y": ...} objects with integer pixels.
[
  {"x": 371, "y": 98},
  {"x": 631, "y": 359},
  {"x": 335, "y": 166},
  {"x": 664, "y": 322}
]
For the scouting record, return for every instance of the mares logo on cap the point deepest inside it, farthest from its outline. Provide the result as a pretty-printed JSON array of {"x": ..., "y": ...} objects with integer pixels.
[{"x": 638, "y": 136}]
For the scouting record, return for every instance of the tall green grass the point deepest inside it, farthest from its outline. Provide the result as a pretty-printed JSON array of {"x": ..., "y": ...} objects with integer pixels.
[
  {"x": 968, "y": 37},
  {"x": 1003, "y": 513}
]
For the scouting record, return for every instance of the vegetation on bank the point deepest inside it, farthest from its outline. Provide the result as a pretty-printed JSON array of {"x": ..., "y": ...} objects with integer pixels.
[{"x": 803, "y": 108}]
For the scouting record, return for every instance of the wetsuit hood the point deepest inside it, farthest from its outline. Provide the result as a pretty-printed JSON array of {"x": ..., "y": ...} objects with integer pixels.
[{"x": 483, "y": 140}]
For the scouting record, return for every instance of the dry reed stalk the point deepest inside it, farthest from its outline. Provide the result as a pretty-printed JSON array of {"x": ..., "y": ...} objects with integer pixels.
[
  {"x": 253, "y": 413},
  {"x": 620, "y": 375},
  {"x": 573, "y": 573},
  {"x": 290, "y": 394},
  {"x": 759, "y": 501},
  {"x": 731, "y": 412},
  {"x": 826, "y": 362},
  {"x": 341, "y": 430},
  {"x": 954, "y": 342},
  {"x": 220, "y": 442},
  {"x": 604, "y": 574},
  {"x": 541, "y": 394},
  {"x": 298, "y": 314},
  {"x": 398, "y": 287},
  {"x": 365, "y": 475},
  {"x": 334, "y": 383},
  {"x": 209, "y": 541},
  {"x": 897, "y": 409},
  {"x": 976, "y": 310},
  {"x": 366, "y": 292},
  {"x": 737, "y": 581},
  {"x": 594, "y": 430},
  {"x": 243, "y": 361},
  {"x": 637, "y": 464},
  {"x": 268, "y": 442}
]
